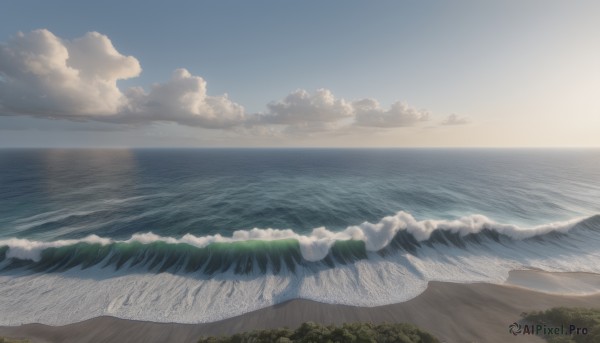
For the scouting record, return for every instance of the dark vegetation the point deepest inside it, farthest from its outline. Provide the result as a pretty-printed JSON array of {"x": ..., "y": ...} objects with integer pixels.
[
  {"x": 348, "y": 333},
  {"x": 11, "y": 340},
  {"x": 562, "y": 316}
]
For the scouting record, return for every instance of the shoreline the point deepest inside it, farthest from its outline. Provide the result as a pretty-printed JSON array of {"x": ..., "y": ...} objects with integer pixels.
[{"x": 453, "y": 312}]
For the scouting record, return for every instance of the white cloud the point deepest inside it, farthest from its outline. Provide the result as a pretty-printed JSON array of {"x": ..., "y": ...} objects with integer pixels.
[
  {"x": 42, "y": 75},
  {"x": 94, "y": 57},
  {"x": 453, "y": 119},
  {"x": 369, "y": 113},
  {"x": 183, "y": 100},
  {"x": 300, "y": 108},
  {"x": 322, "y": 111},
  {"x": 45, "y": 76}
]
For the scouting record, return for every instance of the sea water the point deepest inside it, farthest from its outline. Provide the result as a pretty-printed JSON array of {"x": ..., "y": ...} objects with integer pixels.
[{"x": 198, "y": 235}]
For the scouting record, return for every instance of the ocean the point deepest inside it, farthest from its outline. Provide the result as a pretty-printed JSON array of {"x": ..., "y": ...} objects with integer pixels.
[{"x": 199, "y": 235}]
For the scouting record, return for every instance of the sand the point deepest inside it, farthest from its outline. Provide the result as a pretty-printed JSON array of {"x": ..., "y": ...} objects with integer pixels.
[{"x": 453, "y": 312}]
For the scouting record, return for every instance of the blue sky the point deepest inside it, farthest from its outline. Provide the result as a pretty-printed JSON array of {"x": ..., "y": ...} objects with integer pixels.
[{"x": 511, "y": 73}]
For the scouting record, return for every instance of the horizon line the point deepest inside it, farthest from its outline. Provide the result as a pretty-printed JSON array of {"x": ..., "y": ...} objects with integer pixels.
[{"x": 296, "y": 147}]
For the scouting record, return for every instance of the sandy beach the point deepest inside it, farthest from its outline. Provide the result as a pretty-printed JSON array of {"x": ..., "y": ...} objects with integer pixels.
[{"x": 453, "y": 312}]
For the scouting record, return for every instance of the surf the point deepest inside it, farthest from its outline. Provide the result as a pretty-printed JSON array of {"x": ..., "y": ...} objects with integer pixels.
[{"x": 276, "y": 251}]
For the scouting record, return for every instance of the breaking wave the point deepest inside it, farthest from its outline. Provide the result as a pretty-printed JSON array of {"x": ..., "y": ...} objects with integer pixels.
[
  {"x": 203, "y": 279},
  {"x": 278, "y": 251}
]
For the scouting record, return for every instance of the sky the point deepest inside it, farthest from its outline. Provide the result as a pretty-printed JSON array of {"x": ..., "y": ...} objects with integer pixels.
[{"x": 300, "y": 74}]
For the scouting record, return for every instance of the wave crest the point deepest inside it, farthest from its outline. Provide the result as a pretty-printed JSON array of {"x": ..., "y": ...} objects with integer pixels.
[{"x": 269, "y": 249}]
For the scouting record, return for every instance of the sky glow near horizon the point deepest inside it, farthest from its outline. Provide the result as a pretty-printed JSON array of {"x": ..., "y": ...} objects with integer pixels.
[{"x": 273, "y": 73}]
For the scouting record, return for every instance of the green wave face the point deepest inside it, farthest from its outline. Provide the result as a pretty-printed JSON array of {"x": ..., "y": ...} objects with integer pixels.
[
  {"x": 271, "y": 256},
  {"x": 244, "y": 257}
]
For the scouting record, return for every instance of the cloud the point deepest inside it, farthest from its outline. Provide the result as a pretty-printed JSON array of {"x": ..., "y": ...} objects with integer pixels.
[
  {"x": 302, "y": 109},
  {"x": 45, "y": 76},
  {"x": 453, "y": 119},
  {"x": 369, "y": 113},
  {"x": 183, "y": 100},
  {"x": 321, "y": 111}
]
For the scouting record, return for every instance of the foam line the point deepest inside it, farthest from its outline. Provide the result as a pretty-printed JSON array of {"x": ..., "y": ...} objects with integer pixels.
[{"x": 316, "y": 245}]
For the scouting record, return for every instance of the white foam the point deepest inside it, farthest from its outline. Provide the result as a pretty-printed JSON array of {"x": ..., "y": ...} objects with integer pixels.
[
  {"x": 316, "y": 245},
  {"x": 75, "y": 295},
  {"x": 25, "y": 249}
]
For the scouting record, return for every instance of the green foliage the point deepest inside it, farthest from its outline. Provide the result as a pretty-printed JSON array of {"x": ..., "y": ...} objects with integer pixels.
[
  {"x": 12, "y": 340},
  {"x": 580, "y": 317},
  {"x": 348, "y": 333}
]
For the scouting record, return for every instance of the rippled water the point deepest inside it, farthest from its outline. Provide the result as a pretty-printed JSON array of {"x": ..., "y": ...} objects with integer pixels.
[{"x": 199, "y": 235}]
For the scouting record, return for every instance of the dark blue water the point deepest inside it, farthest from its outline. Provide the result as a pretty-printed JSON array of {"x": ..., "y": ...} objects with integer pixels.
[
  {"x": 60, "y": 194},
  {"x": 200, "y": 235}
]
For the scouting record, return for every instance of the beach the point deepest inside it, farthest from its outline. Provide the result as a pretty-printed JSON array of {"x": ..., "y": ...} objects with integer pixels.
[
  {"x": 453, "y": 312},
  {"x": 299, "y": 171},
  {"x": 459, "y": 243}
]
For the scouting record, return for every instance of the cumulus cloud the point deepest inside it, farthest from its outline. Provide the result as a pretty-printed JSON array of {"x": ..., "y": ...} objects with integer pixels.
[
  {"x": 369, "y": 113},
  {"x": 300, "y": 108},
  {"x": 453, "y": 119},
  {"x": 42, "y": 75},
  {"x": 45, "y": 76},
  {"x": 183, "y": 100},
  {"x": 322, "y": 111}
]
